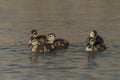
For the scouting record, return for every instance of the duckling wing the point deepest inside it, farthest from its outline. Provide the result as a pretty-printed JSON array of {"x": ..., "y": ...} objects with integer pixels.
[
  {"x": 42, "y": 39},
  {"x": 61, "y": 43}
]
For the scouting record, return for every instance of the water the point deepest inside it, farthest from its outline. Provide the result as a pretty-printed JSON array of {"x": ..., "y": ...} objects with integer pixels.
[{"x": 68, "y": 19}]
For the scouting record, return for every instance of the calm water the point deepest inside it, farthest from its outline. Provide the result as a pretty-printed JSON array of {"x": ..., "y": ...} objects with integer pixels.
[{"x": 69, "y": 19}]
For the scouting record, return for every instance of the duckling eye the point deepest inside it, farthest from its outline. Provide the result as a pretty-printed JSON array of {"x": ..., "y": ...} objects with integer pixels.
[{"x": 51, "y": 36}]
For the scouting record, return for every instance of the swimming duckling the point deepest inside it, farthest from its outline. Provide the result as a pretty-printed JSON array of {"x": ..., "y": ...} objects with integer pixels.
[
  {"x": 37, "y": 47},
  {"x": 42, "y": 38},
  {"x": 58, "y": 43},
  {"x": 94, "y": 42}
]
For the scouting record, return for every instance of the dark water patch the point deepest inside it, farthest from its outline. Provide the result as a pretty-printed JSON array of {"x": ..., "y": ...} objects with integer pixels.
[
  {"x": 77, "y": 47},
  {"x": 28, "y": 67},
  {"x": 14, "y": 65},
  {"x": 116, "y": 46},
  {"x": 4, "y": 48},
  {"x": 109, "y": 71},
  {"x": 61, "y": 69},
  {"x": 10, "y": 72},
  {"x": 15, "y": 48}
]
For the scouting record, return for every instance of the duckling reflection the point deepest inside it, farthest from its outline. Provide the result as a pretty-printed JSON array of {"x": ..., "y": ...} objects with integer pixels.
[
  {"x": 58, "y": 43},
  {"x": 92, "y": 64},
  {"x": 34, "y": 57},
  {"x": 95, "y": 42}
]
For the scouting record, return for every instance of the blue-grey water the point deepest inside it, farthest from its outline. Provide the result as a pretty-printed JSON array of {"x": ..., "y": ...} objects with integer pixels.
[{"x": 68, "y": 19}]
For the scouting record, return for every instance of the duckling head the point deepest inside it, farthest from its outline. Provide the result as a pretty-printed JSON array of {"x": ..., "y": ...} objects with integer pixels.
[
  {"x": 33, "y": 33},
  {"x": 33, "y": 42},
  {"x": 51, "y": 37},
  {"x": 93, "y": 34}
]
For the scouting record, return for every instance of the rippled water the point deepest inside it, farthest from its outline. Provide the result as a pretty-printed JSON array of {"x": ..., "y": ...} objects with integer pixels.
[{"x": 69, "y": 19}]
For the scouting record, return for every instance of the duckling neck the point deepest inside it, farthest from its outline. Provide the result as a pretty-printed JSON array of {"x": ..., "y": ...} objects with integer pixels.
[
  {"x": 33, "y": 36},
  {"x": 50, "y": 41}
]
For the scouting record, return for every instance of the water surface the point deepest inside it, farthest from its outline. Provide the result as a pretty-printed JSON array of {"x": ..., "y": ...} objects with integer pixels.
[{"x": 68, "y": 19}]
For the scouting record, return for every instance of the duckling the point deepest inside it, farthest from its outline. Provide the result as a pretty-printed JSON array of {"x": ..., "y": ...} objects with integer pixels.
[
  {"x": 58, "y": 43},
  {"x": 42, "y": 38},
  {"x": 95, "y": 42},
  {"x": 37, "y": 47}
]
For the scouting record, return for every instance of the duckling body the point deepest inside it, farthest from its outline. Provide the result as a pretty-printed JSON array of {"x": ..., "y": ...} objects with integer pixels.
[
  {"x": 58, "y": 43},
  {"x": 37, "y": 47},
  {"x": 47, "y": 47},
  {"x": 61, "y": 43},
  {"x": 98, "y": 47},
  {"x": 42, "y": 38},
  {"x": 95, "y": 42}
]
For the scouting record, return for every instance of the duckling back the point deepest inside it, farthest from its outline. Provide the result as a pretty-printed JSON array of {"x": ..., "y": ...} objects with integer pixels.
[{"x": 61, "y": 43}]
